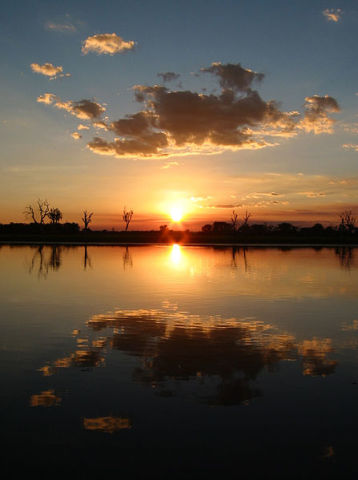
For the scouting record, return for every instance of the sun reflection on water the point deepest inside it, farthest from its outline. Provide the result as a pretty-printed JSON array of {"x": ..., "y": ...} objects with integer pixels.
[{"x": 176, "y": 254}]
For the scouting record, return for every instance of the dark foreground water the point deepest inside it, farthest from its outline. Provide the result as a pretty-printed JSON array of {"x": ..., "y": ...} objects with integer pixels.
[{"x": 181, "y": 362}]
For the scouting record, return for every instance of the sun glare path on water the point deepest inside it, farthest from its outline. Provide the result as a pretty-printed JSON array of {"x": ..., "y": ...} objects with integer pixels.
[{"x": 176, "y": 254}]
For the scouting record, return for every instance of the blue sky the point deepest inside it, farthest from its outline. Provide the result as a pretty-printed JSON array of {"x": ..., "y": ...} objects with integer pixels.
[{"x": 299, "y": 49}]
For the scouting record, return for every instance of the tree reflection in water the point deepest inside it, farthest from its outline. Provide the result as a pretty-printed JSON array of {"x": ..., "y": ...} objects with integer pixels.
[
  {"x": 86, "y": 259},
  {"x": 345, "y": 256},
  {"x": 45, "y": 259},
  {"x": 127, "y": 259}
]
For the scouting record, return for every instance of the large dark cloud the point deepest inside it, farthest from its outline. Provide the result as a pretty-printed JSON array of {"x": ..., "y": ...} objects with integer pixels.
[
  {"x": 134, "y": 125},
  {"x": 181, "y": 122}
]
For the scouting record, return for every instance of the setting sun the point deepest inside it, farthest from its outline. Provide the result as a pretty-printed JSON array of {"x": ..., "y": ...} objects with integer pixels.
[{"x": 176, "y": 213}]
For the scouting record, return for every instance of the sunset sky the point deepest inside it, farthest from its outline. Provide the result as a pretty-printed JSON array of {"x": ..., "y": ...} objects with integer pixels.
[{"x": 202, "y": 105}]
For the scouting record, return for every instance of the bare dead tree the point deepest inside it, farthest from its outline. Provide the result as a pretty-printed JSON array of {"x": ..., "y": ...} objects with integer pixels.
[
  {"x": 348, "y": 221},
  {"x": 245, "y": 221},
  {"x": 127, "y": 217},
  {"x": 55, "y": 215},
  {"x": 38, "y": 212},
  {"x": 86, "y": 219},
  {"x": 235, "y": 220},
  {"x": 247, "y": 215}
]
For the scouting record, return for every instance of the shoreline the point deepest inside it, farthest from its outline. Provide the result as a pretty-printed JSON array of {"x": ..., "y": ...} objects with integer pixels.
[{"x": 182, "y": 244}]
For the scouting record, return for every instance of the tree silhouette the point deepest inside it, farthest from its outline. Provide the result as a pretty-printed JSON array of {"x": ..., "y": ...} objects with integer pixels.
[
  {"x": 127, "y": 217},
  {"x": 348, "y": 222},
  {"x": 235, "y": 220},
  {"x": 245, "y": 221},
  {"x": 55, "y": 215},
  {"x": 38, "y": 212},
  {"x": 86, "y": 219}
]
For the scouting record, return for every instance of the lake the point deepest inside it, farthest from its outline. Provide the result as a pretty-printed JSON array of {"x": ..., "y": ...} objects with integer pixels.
[{"x": 180, "y": 361}]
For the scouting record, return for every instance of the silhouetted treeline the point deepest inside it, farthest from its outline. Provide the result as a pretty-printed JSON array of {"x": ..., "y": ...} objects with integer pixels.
[
  {"x": 281, "y": 233},
  {"x": 39, "y": 228},
  {"x": 216, "y": 233}
]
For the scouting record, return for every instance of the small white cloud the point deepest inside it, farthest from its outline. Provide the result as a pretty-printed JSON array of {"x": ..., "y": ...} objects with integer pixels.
[
  {"x": 49, "y": 70},
  {"x": 170, "y": 165},
  {"x": 76, "y": 135},
  {"x": 107, "y": 43},
  {"x": 333, "y": 14},
  {"x": 47, "y": 98}
]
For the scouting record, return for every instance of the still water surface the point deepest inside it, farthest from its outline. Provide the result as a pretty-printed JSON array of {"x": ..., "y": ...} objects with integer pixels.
[{"x": 180, "y": 360}]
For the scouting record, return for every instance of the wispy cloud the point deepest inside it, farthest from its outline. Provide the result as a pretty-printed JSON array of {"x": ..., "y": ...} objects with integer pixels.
[
  {"x": 168, "y": 76},
  {"x": 107, "y": 43},
  {"x": 312, "y": 194},
  {"x": 169, "y": 165},
  {"x": 350, "y": 146},
  {"x": 65, "y": 27},
  {"x": 333, "y": 14}
]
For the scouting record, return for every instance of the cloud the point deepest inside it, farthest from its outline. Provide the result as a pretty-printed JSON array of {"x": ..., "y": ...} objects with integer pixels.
[
  {"x": 100, "y": 124},
  {"x": 82, "y": 127},
  {"x": 170, "y": 165},
  {"x": 76, "y": 135},
  {"x": 185, "y": 122},
  {"x": 233, "y": 76},
  {"x": 225, "y": 205},
  {"x": 220, "y": 120},
  {"x": 200, "y": 198},
  {"x": 316, "y": 119},
  {"x": 350, "y": 127},
  {"x": 49, "y": 70},
  {"x": 65, "y": 27},
  {"x": 47, "y": 98},
  {"x": 147, "y": 145},
  {"x": 106, "y": 43},
  {"x": 168, "y": 76},
  {"x": 350, "y": 146},
  {"x": 333, "y": 14},
  {"x": 312, "y": 194},
  {"x": 83, "y": 109}
]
